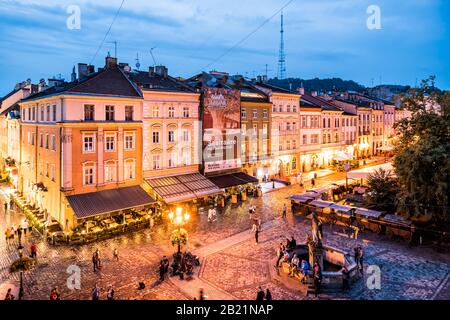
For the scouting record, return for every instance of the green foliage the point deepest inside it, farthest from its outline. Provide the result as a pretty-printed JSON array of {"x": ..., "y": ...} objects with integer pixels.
[
  {"x": 383, "y": 189},
  {"x": 320, "y": 85},
  {"x": 422, "y": 161}
]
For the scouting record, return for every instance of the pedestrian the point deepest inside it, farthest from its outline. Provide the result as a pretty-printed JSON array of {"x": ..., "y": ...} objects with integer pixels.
[
  {"x": 268, "y": 294},
  {"x": 210, "y": 215},
  {"x": 13, "y": 231},
  {"x": 25, "y": 227},
  {"x": 110, "y": 294},
  {"x": 356, "y": 255},
  {"x": 96, "y": 293},
  {"x": 202, "y": 294},
  {"x": 255, "y": 229},
  {"x": 116, "y": 254},
  {"x": 8, "y": 234},
  {"x": 345, "y": 279},
  {"x": 361, "y": 259},
  {"x": 260, "y": 295},
  {"x": 6, "y": 206},
  {"x": 320, "y": 228},
  {"x": 313, "y": 182},
  {"x": 11, "y": 204},
  {"x": 55, "y": 295},
  {"x": 9, "y": 295},
  {"x": 317, "y": 275},
  {"x": 162, "y": 270},
  {"x": 304, "y": 268},
  {"x": 166, "y": 264},
  {"x": 280, "y": 255},
  {"x": 284, "y": 211},
  {"x": 33, "y": 250},
  {"x": 95, "y": 261},
  {"x": 19, "y": 233}
]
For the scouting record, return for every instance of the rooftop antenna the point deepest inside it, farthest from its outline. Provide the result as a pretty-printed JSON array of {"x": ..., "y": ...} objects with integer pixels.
[
  {"x": 115, "y": 48},
  {"x": 266, "y": 70},
  {"x": 138, "y": 64},
  {"x": 282, "y": 56},
  {"x": 153, "y": 57},
  {"x": 372, "y": 79}
]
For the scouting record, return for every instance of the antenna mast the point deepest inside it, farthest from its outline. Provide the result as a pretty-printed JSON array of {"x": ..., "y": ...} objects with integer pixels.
[{"x": 282, "y": 56}]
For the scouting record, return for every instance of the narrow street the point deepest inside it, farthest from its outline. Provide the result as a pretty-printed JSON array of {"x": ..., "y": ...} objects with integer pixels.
[{"x": 233, "y": 266}]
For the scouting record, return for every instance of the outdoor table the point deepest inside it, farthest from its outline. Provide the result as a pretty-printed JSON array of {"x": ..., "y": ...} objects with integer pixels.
[{"x": 96, "y": 229}]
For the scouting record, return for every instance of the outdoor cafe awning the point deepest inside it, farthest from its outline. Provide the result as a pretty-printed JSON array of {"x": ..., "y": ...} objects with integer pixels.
[
  {"x": 368, "y": 213},
  {"x": 341, "y": 208},
  {"x": 320, "y": 203},
  {"x": 93, "y": 204},
  {"x": 366, "y": 172},
  {"x": 183, "y": 188},
  {"x": 303, "y": 198},
  {"x": 232, "y": 180}
]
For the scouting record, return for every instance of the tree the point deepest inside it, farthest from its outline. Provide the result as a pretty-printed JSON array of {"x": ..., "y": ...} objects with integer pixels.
[
  {"x": 383, "y": 189},
  {"x": 422, "y": 161}
]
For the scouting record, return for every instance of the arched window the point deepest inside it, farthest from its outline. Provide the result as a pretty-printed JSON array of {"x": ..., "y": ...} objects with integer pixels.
[
  {"x": 130, "y": 169},
  {"x": 89, "y": 173},
  {"x": 110, "y": 171}
]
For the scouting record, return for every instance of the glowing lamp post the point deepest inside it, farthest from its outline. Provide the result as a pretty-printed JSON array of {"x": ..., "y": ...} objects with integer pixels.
[{"x": 179, "y": 219}]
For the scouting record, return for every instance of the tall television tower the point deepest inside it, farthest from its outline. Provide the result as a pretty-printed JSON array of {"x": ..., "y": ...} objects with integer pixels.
[{"x": 282, "y": 58}]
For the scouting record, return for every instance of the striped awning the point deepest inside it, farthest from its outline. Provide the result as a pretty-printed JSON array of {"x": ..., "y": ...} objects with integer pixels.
[
  {"x": 108, "y": 201},
  {"x": 183, "y": 187}
]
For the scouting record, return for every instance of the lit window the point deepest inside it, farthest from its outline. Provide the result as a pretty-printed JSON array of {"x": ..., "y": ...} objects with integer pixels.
[
  {"x": 130, "y": 169},
  {"x": 89, "y": 174},
  {"x": 155, "y": 111},
  {"x": 110, "y": 142},
  {"x": 129, "y": 110},
  {"x": 186, "y": 135},
  {"x": 89, "y": 142},
  {"x": 255, "y": 113},
  {"x": 156, "y": 162},
  {"x": 110, "y": 171},
  {"x": 172, "y": 160},
  {"x": 129, "y": 140}
]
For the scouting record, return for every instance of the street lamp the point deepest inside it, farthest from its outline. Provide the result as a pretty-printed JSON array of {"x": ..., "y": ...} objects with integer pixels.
[{"x": 179, "y": 219}]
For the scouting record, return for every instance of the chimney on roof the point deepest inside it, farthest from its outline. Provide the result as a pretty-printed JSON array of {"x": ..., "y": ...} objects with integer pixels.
[
  {"x": 82, "y": 71},
  {"x": 314, "y": 93},
  {"x": 110, "y": 62},
  {"x": 41, "y": 85},
  {"x": 162, "y": 71},
  {"x": 91, "y": 69},
  {"x": 73, "y": 75},
  {"x": 301, "y": 90}
]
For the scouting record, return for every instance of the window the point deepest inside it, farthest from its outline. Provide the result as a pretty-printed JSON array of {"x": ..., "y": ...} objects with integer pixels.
[
  {"x": 185, "y": 112},
  {"x": 172, "y": 112},
  {"x": 288, "y": 126},
  {"x": 265, "y": 113},
  {"x": 294, "y": 144},
  {"x": 294, "y": 108},
  {"x": 186, "y": 158},
  {"x": 129, "y": 110},
  {"x": 186, "y": 135},
  {"x": 29, "y": 114},
  {"x": 171, "y": 136},
  {"x": 280, "y": 108},
  {"x": 329, "y": 122},
  {"x": 41, "y": 140},
  {"x": 42, "y": 114},
  {"x": 305, "y": 139},
  {"x": 46, "y": 142},
  {"x": 48, "y": 113},
  {"x": 315, "y": 139},
  {"x": 53, "y": 142},
  {"x": 255, "y": 130},
  {"x": 294, "y": 126},
  {"x": 172, "y": 160},
  {"x": 32, "y": 138},
  {"x": 155, "y": 137},
  {"x": 130, "y": 169},
  {"x": 324, "y": 123},
  {"x": 274, "y": 108},
  {"x": 324, "y": 139},
  {"x": 288, "y": 145},
  {"x": 156, "y": 162},
  {"x": 52, "y": 172},
  {"x": 155, "y": 112},
  {"x": 265, "y": 129},
  {"x": 304, "y": 122},
  {"x": 288, "y": 108},
  {"x": 110, "y": 142},
  {"x": 89, "y": 174},
  {"x": 54, "y": 113},
  {"x": 89, "y": 142},
  {"x": 109, "y": 113},
  {"x": 110, "y": 171},
  {"x": 89, "y": 111},
  {"x": 294, "y": 163},
  {"x": 129, "y": 141},
  {"x": 255, "y": 113}
]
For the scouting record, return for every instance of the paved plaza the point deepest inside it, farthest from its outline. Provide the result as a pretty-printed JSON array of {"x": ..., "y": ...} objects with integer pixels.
[{"x": 233, "y": 266}]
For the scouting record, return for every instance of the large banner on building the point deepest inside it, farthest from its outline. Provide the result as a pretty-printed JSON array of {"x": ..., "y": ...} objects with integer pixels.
[{"x": 221, "y": 129}]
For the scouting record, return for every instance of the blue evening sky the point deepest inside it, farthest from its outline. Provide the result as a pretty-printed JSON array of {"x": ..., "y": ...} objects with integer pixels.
[{"x": 324, "y": 38}]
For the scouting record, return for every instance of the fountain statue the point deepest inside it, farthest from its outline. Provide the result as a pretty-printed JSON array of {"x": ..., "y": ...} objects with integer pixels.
[{"x": 315, "y": 244}]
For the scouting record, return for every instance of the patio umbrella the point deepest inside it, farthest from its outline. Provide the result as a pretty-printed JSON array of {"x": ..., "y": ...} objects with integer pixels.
[{"x": 387, "y": 148}]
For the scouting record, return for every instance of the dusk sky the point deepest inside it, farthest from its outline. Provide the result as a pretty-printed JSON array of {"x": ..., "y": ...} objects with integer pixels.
[{"x": 323, "y": 38}]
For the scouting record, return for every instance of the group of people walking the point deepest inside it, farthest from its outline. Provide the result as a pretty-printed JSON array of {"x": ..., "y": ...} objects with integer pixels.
[
  {"x": 19, "y": 231},
  {"x": 261, "y": 295}
]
